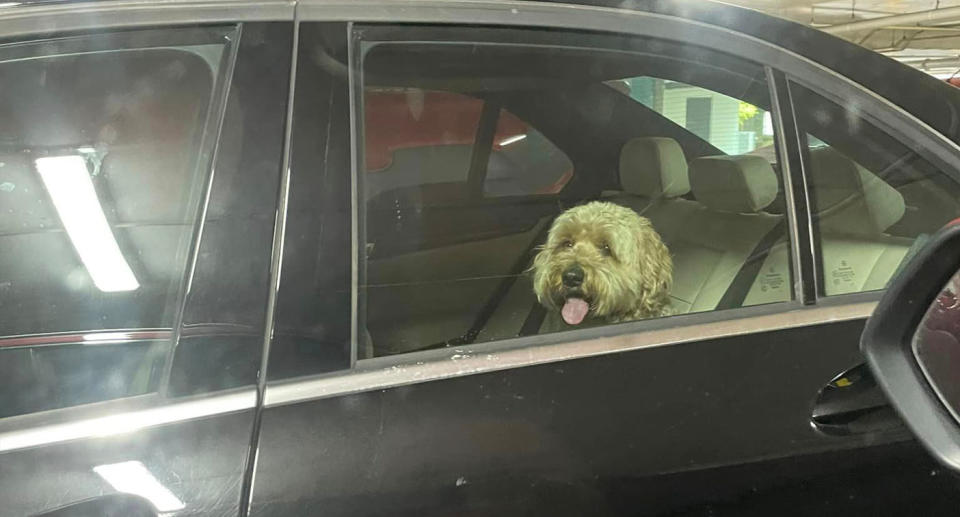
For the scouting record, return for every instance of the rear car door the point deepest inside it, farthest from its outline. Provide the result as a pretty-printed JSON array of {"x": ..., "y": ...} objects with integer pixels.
[
  {"x": 408, "y": 370},
  {"x": 139, "y": 171}
]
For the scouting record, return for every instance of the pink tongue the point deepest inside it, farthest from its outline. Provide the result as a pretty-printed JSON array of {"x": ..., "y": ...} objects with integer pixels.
[{"x": 574, "y": 311}]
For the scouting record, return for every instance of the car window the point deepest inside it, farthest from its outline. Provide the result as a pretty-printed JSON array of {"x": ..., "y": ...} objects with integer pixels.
[
  {"x": 416, "y": 137},
  {"x": 732, "y": 125},
  {"x": 101, "y": 174},
  {"x": 645, "y": 218},
  {"x": 875, "y": 199}
]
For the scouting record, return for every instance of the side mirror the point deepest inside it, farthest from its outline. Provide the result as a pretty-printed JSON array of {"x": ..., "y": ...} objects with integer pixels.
[{"x": 912, "y": 343}]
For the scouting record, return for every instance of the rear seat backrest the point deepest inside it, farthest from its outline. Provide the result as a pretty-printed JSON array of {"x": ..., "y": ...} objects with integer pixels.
[
  {"x": 711, "y": 238},
  {"x": 717, "y": 240},
  {"x": 854, "y": 208},
  {"x": 742, "y": 184},
  {"x": 651, "y": 169}
]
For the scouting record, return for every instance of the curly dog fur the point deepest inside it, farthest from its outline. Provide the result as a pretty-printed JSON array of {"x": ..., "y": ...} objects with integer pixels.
[{"x": 603, "y": 263}]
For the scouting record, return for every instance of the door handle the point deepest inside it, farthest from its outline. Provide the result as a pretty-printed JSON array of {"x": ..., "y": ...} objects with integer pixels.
[{"x": 853, "y": 403}]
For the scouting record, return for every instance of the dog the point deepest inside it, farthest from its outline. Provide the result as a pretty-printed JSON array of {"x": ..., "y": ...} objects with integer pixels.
[{"x": 602, "y": 263}]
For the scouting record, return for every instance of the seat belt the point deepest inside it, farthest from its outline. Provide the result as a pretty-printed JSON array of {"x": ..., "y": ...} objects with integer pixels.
[
  {"x": 534, "y": 320},
  {"x": 498, "y": 295},
  {"x": 743, "y": 281}
]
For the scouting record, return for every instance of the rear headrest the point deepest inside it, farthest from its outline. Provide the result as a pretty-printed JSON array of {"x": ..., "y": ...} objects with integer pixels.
[
  {"x": 849, "y": 198},
  {"x": 741, "y": 183},
  {"x": 653, "y": 167}
]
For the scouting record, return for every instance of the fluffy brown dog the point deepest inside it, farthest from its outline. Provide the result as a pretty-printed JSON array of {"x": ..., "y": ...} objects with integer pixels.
[{"x": 603, "y": 263}]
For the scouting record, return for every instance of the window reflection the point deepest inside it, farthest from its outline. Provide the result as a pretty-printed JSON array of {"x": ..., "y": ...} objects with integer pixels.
[{"x": 79, "y": 209}]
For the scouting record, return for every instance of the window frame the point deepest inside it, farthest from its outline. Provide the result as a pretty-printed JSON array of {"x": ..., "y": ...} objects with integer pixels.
[
  {"x": 398, "y": 33},
  {"x": 922, "y": 143},
  {"x": 29, "y": 26},
  {"x": 202, "y": 165}
]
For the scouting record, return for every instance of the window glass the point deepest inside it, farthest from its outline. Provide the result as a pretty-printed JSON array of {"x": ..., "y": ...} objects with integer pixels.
[
  {"x": 650, "y": 212},
  {"x": 732, "y": 125},
  {"x": 416, "y": 137},
  {"x": 875, "y": 200},
  {"x": 100, "y": 177},
  {"x": 523, "y": 161}
]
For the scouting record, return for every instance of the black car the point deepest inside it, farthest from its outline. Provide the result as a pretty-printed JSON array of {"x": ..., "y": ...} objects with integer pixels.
[{"x": 274, "y": 259}]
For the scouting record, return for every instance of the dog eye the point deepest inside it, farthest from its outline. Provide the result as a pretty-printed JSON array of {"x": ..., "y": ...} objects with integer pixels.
[
  {"x": 566, "y": 243},
  {"x": 605, "y": 249}
]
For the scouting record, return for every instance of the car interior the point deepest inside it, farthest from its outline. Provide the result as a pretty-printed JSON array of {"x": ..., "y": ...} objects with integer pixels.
[{"x": 446, "y": 263}]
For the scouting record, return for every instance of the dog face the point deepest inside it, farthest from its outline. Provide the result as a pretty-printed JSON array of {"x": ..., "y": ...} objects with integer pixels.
[{"x": 603, "y": 261}]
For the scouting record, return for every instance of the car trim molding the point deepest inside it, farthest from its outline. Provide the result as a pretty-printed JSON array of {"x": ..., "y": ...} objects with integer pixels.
[
  {"x": 415, "y": 368},
  {"x": 126, "y": 421},
  {"x": 21, "y": 20}
]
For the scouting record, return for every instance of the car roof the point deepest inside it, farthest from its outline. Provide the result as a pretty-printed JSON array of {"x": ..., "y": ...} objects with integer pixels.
[{"x": 934, "y": 102}]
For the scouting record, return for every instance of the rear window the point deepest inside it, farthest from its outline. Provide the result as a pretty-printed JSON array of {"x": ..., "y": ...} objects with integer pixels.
[
  {"x": 416, "y": 137},
  {"x": 524, "y": 161}
]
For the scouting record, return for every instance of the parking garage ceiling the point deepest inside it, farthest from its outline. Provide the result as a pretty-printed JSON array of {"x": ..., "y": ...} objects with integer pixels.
[{"x": 922, "y": 33}]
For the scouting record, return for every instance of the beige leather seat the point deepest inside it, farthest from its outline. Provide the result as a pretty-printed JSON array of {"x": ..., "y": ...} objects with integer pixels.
[
  {"x": 652, "y": 170},
  {"x": 854, "y": 208},
  {"x": 712, "y": 240}
]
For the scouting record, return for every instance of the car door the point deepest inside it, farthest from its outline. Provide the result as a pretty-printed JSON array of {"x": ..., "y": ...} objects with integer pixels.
[
  {"x": 140, "y": 170},
  {"x": 708, "y": 411}
]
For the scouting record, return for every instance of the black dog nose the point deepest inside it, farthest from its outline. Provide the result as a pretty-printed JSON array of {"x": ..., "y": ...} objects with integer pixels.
[{"x": 573, "y": 277}]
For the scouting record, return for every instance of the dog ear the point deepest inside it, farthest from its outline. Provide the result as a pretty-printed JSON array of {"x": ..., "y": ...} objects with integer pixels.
[
  {"x": 656, "y": 271},
  {"x": 538, "y": 257}
]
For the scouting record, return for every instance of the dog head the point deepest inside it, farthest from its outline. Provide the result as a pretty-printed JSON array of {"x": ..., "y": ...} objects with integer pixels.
[{"x": 602, "y": 261}]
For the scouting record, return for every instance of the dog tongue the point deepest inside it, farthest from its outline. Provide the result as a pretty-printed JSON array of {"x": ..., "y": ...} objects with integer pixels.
[{"x": 574, "y": 311}]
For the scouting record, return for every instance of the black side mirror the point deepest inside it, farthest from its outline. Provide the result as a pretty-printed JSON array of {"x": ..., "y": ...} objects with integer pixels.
[{"x": 912, "y": 343}]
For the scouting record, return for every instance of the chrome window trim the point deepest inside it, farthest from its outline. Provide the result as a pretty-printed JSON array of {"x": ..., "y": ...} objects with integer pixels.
[
  {"x": 415, "y": 368},
  {"x": 23, "y": 20},
  {"x": 25, "y": 432},
  {"x": 354, "y": 82}
]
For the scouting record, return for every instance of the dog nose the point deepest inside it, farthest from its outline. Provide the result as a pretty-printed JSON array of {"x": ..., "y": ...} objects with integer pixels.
[{"x": 573, "y": 277}]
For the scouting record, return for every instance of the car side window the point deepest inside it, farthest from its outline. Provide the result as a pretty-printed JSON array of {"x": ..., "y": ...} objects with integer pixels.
[
  {"x": 732, "y": 125},
  {"x": 875, "y": 200},
  {"x": 530, "y": 195},
  {"x": 102, "y": 170}
]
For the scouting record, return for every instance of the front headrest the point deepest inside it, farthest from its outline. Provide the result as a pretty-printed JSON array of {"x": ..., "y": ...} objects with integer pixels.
[
  {"x": 849, "y": 198},
  {"x": 653, "y": 167},
  {"x": 741, "y": 183}
]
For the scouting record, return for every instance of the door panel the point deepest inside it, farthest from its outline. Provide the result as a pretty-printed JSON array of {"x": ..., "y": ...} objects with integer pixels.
[
  {"x": 147, "y": 402},
  {"x": 570, "y": 437}
]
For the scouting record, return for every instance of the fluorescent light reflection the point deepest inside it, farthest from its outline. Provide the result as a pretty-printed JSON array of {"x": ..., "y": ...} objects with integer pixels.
[
  {"x": 512, "y": 140},
  {"x": 75, "y": 199},
  {"x": 107, "y": 336},
  {"x": 131, "y": 477}
]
